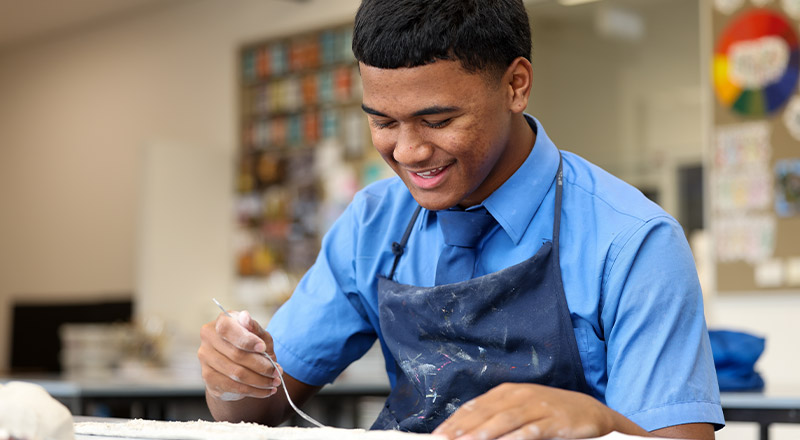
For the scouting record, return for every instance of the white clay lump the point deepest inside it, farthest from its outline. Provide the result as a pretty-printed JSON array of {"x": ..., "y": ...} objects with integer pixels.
[{"x": 28, "y": 412}]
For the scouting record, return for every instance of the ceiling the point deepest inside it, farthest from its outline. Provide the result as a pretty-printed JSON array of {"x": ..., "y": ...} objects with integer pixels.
[
  {"x": 552, "y": 9},
  {"x": 28, "y": 20}
]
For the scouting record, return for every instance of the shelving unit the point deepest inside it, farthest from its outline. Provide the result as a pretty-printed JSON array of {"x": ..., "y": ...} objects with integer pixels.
[{"x": 304, "y": 151}]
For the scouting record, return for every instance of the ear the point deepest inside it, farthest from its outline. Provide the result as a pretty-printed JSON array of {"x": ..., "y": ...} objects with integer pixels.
[{"x": 518, "y": 79}]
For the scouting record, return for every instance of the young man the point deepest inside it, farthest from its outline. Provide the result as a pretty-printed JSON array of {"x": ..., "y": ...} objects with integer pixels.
[{"x": 576, "y": 310}]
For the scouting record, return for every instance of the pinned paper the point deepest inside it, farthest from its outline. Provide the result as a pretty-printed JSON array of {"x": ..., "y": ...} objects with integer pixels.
[
  {"x": 748, "y": 189},
  {"x": 749, "y": 238},
  {"x": 728, "y": 6},
  {"x": 769, "y": 273},
  {"x": 740, "y": 146},
  {"x": 787, "y": 187},
  {"x": 792, "y": 271},
  {"x": 791, "y": 117}
]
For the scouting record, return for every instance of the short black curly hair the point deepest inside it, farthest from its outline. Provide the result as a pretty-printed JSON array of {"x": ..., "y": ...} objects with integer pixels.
[{"x": 483, "y": 35}]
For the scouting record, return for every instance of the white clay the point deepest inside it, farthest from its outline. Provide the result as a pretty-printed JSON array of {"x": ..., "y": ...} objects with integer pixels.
[
  {"x": 201, "y": 430},
  {"x": 28, "y": 412}
]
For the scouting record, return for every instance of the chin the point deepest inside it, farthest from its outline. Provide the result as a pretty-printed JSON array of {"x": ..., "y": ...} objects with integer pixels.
[{"x": 433, "y": 203}]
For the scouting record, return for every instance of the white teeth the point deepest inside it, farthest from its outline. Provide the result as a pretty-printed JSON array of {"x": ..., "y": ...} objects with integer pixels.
[{"x": 429, "y": 174}]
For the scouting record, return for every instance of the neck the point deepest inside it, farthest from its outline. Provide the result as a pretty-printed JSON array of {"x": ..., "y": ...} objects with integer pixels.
[
  {"x": 520, "y": 143},
  {"x": 526, "y": 135}
]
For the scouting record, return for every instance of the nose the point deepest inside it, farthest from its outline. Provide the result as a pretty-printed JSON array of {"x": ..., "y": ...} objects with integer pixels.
[{"x": 411, "y": 147}]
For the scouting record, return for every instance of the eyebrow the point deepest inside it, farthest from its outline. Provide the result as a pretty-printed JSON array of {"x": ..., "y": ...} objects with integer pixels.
[{"x": 433, "y": 110}]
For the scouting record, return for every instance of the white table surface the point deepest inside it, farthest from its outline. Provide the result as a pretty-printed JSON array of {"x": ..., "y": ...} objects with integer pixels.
[{"x": 775, "y": 396}]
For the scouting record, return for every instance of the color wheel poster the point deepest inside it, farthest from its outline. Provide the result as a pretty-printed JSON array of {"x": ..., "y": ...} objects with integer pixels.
[
  {"x": 755, "y": 71},
  {"x": 756, "y": 63}
]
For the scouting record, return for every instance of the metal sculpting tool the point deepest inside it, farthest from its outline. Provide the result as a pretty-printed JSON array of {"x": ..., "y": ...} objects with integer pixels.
[{"x": 274, "y": 365}]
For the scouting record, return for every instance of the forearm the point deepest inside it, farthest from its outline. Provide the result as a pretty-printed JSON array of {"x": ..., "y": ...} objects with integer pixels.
[
  {"x": 538, "y": 411},
  {"x": 698, "y": 431}
]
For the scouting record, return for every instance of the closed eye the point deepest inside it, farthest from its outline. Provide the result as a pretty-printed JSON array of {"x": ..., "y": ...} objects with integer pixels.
[
  {"x": 381, "y": 124},
  {"x": 438, "y": 124}
]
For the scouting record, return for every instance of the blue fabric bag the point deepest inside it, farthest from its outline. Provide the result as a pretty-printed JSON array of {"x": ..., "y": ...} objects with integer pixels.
[{"x": 735, "y": 356}]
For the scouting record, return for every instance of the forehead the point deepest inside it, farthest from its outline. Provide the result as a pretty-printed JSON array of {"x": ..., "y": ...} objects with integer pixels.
[{"x": 438, "y": 83}]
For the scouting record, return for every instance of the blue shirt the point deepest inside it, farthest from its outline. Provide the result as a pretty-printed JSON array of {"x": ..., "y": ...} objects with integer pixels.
[{"x": 628, "y": 274}]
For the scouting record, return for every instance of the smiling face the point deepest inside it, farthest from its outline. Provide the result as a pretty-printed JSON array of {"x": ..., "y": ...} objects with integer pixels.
[{"x": 452, "y": 136}]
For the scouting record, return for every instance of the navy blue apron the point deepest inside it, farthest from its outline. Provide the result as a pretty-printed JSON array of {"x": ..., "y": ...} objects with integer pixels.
[{"x": 454, "y": 342}]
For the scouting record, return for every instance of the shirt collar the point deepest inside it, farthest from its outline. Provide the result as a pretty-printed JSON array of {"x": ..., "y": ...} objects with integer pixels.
[{"x": 530, "y": 182}]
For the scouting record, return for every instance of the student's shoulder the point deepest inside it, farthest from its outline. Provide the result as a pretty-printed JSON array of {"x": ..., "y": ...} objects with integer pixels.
[{"x": 608, "y": 194}]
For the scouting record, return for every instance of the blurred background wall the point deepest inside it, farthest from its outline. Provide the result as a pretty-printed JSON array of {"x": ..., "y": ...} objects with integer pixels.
[{"x": 89, "y": 113}]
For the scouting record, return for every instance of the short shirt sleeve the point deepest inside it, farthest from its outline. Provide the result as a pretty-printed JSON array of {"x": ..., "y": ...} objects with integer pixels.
[
  {"x": 318, "y": 332},
  {"x": 659, "y": 362}
]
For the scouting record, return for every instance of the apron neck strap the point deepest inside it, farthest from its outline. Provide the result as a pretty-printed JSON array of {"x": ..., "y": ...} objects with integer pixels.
[
  {"x": 397, "y": 248},
  {"x": 557, "y": 214}
]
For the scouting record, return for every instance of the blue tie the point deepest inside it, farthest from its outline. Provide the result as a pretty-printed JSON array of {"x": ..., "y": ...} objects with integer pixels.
[{"x": 462, "y": 231}]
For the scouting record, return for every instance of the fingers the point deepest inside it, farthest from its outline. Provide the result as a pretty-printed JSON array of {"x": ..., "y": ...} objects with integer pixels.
[
  {"x": 224, "y": 388},
  {"x": 528, "y": 411},
  {"x": 501, "y": 428},
  {"x": 477, "y": 421},
  {"x": 232, "y": 367},
  {"x": 243, "y": 332},
  {"x": 216, "y": 344},
  {"x": 263, "y": 379},
  {"x": 531, "y": 431},
  {"x": 480, "y": 411}
]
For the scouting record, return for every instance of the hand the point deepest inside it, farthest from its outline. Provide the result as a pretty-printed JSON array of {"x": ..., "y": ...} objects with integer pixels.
[
  {"x": 528, "y": 411},
  {"x": 232, "y": 361}
]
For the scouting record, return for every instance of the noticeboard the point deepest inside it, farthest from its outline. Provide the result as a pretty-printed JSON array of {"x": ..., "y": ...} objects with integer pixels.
[{"x": 755, "y": 157}]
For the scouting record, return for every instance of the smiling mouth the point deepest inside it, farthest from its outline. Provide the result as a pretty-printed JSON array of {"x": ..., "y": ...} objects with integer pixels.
[{"x": 430, "y": 174}]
